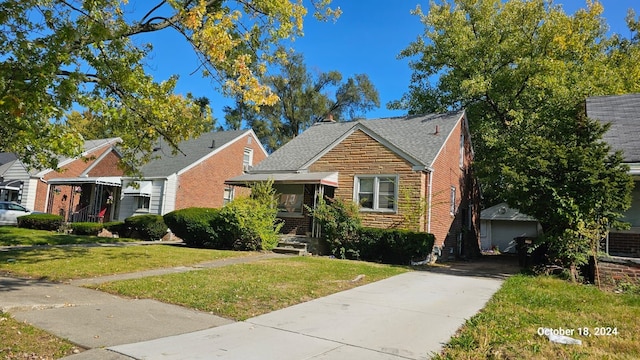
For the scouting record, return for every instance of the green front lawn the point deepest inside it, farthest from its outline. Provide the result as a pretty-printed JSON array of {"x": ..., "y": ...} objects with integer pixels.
[
  {"x": 245, "y": 290},
  {"x": 12, "y": 236},
  {"x": 80, "y": 262},
  {"x": 507, "y": 328}
]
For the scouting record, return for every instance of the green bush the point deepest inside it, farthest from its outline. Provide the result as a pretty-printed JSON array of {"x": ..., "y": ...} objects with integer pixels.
[
  {"x": 248, "y": 224},
  {"x": 116, "y": 227},
  {"x": 195, "y": 226},
  {"x": 145, "y": 227},
  {"x": 86, "y": 228},
  {"x": 40, "y": 221},
  {"x": 347, "y": 239},
  {"x": 340, "y": 221}
]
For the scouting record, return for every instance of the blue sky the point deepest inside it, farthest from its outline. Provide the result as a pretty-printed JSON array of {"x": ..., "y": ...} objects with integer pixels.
[{"x": 366, "y": 39}]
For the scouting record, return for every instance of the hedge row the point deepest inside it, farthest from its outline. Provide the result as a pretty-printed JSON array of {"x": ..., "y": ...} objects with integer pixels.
[
  {"x": 243, "y": 224},
  {"x": 143, "y": 227}
]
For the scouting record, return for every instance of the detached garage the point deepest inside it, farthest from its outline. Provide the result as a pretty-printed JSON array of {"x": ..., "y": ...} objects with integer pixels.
[{"x": 500, "y": 224}]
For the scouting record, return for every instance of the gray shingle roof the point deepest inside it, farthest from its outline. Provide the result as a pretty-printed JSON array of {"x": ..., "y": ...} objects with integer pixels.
[
  {"x": 413, "y": 135},
  {"x": 194, "y": 150},
  {"x": 623, "y": 112}
]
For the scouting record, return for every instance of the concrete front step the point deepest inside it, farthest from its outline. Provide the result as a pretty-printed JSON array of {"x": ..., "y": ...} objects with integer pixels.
[{"x": 291, "y": 247}]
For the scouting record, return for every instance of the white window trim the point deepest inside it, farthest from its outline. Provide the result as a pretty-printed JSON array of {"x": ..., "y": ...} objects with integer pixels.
[
  {"x": 462, "y": 149},
  {"x": 139, "y": 198},
  {"x": 376, "y": 189},
  {"x": 247, "y": 165}
]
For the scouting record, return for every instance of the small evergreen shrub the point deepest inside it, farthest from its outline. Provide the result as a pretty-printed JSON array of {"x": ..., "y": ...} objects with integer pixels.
[
  {"x": 195, "y": 226},
  {"x": 86, "y": 228},
  {"x": 40, "y": 221},
  {"x": 145, "y": 227},
  {"x": 340, "y": 221},
  {"x": 116, "y": 227}
]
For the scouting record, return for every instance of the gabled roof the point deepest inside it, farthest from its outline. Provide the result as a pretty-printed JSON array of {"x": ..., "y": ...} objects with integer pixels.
[
  {"x": 418, "y": 139},
  {"x": 502, "y": 211},
  {"x": 193, "y": 151},
  {"x": 88, "y": 147},
  {"x": 623, "y": 112}
]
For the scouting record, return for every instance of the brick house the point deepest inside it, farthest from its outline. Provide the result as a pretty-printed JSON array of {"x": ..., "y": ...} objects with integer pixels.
[
  {"x": 388, "y": 166},
  {"x": 77, "y": 189},
  {"x": 194, "y": 177},
  {"x": 623, "y": 113}
]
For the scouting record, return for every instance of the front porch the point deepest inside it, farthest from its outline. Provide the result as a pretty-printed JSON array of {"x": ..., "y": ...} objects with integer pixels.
[
  {"x": 297, "y": 193},
  {"x": 84, "y": 199}
]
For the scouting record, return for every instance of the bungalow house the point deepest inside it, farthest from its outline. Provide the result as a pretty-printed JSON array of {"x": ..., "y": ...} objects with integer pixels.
[
  {"x": 193, "y": 177},
  {"x": 623, "y": 113},
  {"x": 388, "y": 166},
  {"x": 77, "y": 189}
]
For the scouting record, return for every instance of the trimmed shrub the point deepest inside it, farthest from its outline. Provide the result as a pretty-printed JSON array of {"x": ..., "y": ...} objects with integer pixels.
[
  {"x": 116, "y": 227},
  {"x": 86, "y": 228},
  {"x": 40, "y": 221},
  {"x": 195, "y": 226},
  {"x": 145, "y": 227}
]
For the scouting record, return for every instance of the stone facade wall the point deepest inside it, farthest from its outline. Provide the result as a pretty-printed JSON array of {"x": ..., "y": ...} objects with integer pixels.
[{"x": 359, "y": 154}]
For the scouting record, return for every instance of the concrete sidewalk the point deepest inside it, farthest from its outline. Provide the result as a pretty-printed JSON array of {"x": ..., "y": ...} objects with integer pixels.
[{"x": 409, "y": 316}]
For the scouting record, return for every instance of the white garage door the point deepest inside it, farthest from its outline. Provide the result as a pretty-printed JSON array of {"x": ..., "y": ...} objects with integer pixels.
[{"x": 503, "y": 233}]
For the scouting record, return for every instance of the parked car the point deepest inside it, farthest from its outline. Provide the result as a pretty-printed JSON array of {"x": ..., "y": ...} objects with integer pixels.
[{"x": 10, "y": 211}]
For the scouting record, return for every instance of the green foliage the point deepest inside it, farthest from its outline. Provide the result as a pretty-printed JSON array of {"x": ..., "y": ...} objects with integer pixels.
[
  {"x": 145, "y": 227},
  {"x": 116, "y": 227},
  {"x": 58, "y": 56},
  {"x": 264, "y": 193},
  {"x": 86, "y": 228},
  {"x": 243, "y": 224},
  {"x": 249, "y": 224},
  {"x": 522, "y": 69},
  {"x": 304, "y": 100},
  {"x": 194, "y": 226},
  {"x": 340, "y": 221},
  {"x": 40, "y": 221},
  {"x": 342, "y": 229}
]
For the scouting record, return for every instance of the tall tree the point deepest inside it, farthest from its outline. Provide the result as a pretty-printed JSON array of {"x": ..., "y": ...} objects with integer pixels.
[
  {"x": 522, "y": 69},
  {"x": 305, "y": 98},
  {"x": 60, "y": 55}
]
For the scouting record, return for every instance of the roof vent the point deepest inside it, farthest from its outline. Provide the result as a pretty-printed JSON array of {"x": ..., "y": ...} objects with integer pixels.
[
  {"x": 213, "y": 144},
  {"x": 437, "y": 130}
]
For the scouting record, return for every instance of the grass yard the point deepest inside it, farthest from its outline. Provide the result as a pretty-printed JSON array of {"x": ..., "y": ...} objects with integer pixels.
[
  {"x": 245, "y": 290},
  {"x": 79, "y": 262},
  {"x": 23, "y": 341},
  {"x": 12, "y": 236},
  {"x": 507, "y": 328}
]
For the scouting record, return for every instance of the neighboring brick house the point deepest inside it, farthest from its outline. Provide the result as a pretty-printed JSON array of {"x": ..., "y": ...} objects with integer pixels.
[
  {"x": 623, "y": 113},
  {"x": 77, "y": 189},
  {"x": 387, "y": 166},
  {"x": 193, "y": 177}
]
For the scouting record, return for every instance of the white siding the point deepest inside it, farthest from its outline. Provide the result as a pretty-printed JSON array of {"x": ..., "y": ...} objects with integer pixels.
[
  {"x": 170, "y": 191},
  {"x": 129, "y": 204}
]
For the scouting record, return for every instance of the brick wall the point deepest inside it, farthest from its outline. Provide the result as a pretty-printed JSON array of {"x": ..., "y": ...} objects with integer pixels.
[
  {"x": 612, "y": 271},
  {"x": 203, "y": 185},
  {"x": 106, "y": 167}
]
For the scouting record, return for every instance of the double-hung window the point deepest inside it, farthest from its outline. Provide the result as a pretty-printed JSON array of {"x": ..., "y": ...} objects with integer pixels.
[
  {"x": 376, "y": 193},
  {"x": 247, "y": 159}
]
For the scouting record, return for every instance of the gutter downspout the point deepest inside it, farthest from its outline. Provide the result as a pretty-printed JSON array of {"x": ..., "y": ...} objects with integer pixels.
[{"x": 430, "y": 197}]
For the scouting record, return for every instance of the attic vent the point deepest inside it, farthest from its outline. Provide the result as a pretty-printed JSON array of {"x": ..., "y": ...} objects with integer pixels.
[
  {"x": 157, "y": 148},
  {"x": 502, "y": 210}
]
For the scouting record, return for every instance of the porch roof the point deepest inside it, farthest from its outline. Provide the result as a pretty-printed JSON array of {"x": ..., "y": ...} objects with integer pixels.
[
  {"x": 103, "y": 180},
  {"x": 323, "y": 178},
  {"x": 10, "y": 185}
]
